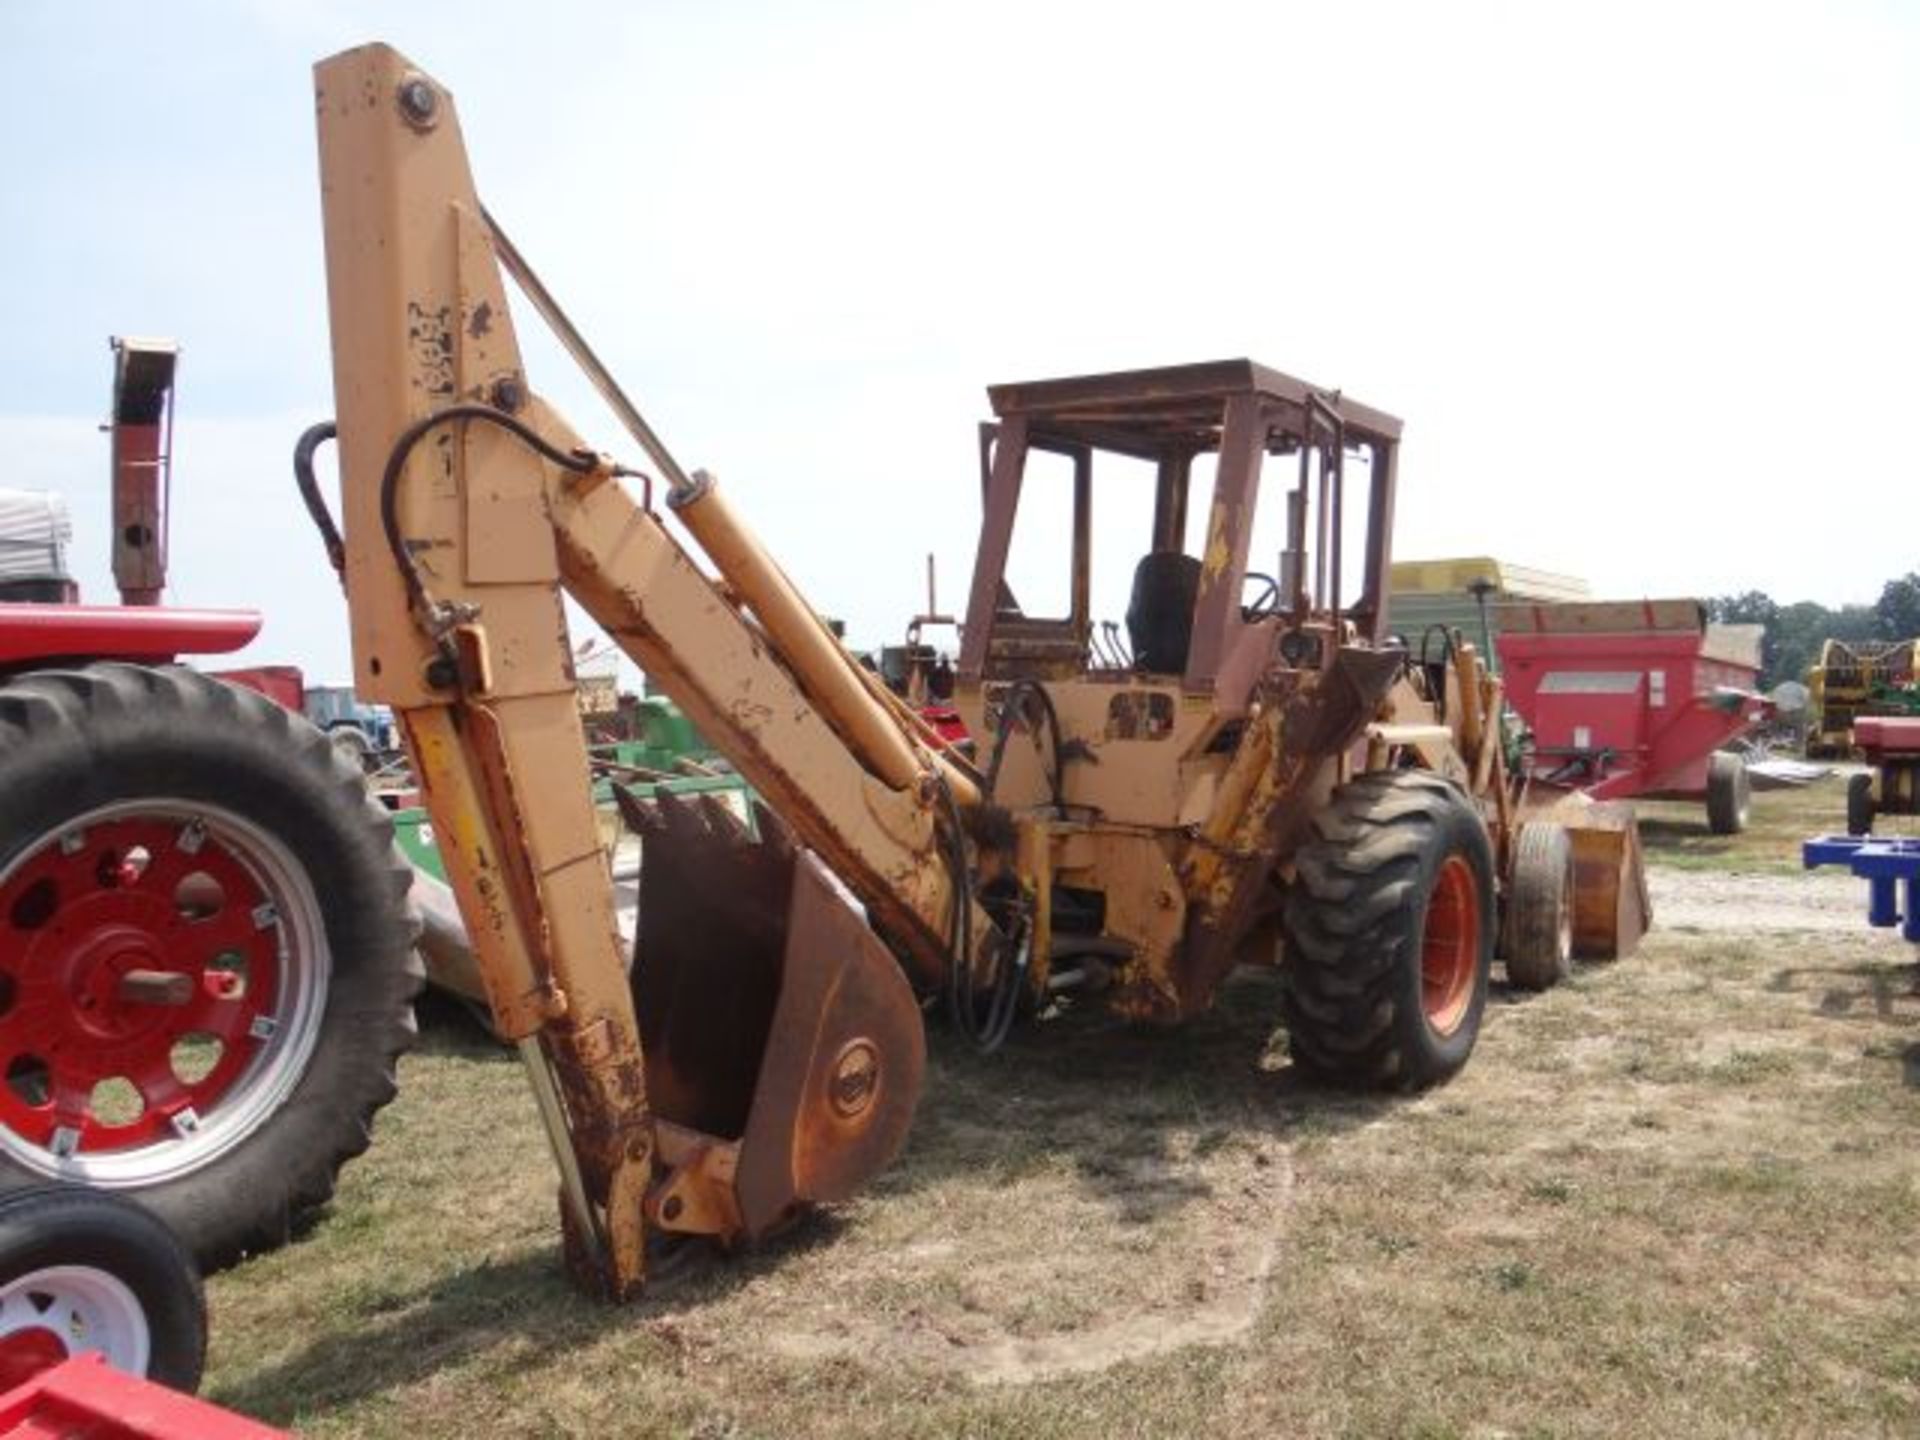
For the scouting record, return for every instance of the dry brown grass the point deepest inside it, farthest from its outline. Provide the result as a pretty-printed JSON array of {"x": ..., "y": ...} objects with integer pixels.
[
  {"x": 1676, "y": 835},
  {"x": 1678, "y": 1195}
]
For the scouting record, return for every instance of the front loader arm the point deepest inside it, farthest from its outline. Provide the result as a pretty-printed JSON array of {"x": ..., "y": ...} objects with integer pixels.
[{"x": 468, "y": 505}]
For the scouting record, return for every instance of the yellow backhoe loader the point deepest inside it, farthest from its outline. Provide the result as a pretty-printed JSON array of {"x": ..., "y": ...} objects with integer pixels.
[{"x": 1256, "y": 776}]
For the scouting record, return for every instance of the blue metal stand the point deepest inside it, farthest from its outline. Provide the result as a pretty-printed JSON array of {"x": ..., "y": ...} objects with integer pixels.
[{"x": 1881, "y": 861}]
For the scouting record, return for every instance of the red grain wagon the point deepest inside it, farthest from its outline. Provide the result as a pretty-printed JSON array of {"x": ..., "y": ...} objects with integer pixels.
[{"x": 1628, "y": 698}]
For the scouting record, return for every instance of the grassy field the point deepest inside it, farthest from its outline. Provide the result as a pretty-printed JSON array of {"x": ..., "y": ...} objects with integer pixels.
[{"x": 1678, "y": 1195}]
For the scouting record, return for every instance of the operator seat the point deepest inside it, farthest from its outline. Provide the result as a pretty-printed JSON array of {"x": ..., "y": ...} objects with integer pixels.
[{"x": 1160, "y": 612}]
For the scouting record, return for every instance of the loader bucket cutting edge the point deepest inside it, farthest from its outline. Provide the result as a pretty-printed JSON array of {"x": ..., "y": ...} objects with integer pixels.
[
  {"x": 1612, "y": 908},
  {"x": 769, "y": 1012}
]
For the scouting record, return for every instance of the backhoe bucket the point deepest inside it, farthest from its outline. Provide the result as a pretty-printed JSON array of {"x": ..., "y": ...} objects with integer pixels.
[
  {"x": 1611, "y": 906},
  {"x": 769, "y": 1012}
]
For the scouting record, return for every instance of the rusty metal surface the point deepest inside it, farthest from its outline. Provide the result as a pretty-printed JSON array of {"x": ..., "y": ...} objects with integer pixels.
[
  {"x": 767, "y": 1050},
  {"x": 823, "y": 665},
  {"x": 419, "y": 325},
  {"x": 1173, "y": 405},
  {"x": 845, "y": 1061},
  {"x": 1314, "y": 726},
  {"x": 1244, "y": 412},
  {"x": 654, "y": 601},
  {"x": 454, "y": 535},
  {"x": 1217, "y": 620},
  {"x": 1268, "y": 705},
  {"x": 699, "y": 1194},
  {"x": 770, "y": 1014},
  {"x": 707, "y": 954},
  {"x": 1612, "y": 907},
  {"x": 142, "y": 425}
]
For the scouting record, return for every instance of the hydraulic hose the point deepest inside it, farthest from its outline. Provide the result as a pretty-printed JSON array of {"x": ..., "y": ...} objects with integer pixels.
[
  {"x": 304, "y": 450},
  {"x": 580, "y": 462},
  {"x": 1009, "y": 709},
  {"x": 986, "y": 1033}
]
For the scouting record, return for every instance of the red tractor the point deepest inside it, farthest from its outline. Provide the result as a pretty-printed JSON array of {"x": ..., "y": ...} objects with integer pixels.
[{"x": 206, "y": 969}]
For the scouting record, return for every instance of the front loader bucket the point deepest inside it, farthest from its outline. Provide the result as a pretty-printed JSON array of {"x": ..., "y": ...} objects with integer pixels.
[
  {"x": 1611, "y": 906},
  {"x": 770, "y": 1014}
]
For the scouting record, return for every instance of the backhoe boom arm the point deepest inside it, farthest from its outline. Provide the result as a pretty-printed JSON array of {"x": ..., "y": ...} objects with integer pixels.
[{"x": 468, "y": 507}]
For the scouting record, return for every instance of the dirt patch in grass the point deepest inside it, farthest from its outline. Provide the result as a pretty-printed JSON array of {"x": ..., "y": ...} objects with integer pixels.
[
  {"x": 1093, "y": 1197},
  {"x": 978, "y": 1299}
]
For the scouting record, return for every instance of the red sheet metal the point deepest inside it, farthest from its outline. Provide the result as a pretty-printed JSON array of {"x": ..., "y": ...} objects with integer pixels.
[
  {"x": 118, "y": 632},
  {"x": 85, "y": 1396},
  {"x": 1644, "y": 709},
  {"x": 285, "y": 685},
  {"x": 946, "y": 723},
  {"x": 1879, "y": 735}
]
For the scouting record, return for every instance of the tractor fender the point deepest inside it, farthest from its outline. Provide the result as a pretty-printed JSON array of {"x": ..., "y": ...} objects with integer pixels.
[{"x": 35, "y": 634}]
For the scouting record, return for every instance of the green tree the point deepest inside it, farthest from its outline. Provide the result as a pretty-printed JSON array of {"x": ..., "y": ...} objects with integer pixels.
[
  {"x": 1800, "y": 631},
  {"x": 1790, "y": 645},
  {"x": 1897, "y": 611},
  {"x": 1754, "y": 607}
]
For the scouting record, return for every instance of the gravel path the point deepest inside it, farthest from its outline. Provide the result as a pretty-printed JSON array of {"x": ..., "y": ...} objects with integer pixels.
[{"x": 1712, "y": 900}]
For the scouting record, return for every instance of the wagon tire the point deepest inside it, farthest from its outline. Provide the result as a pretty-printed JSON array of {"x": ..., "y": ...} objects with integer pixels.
[
  {"x": 1729, "y": 794},
  {"x": 83, "y": 1271},
  {"x": 1538, "y": 939},
  {"x": 1859, "y": 804},
  {"x": 1388, "y": 931},
  {"x": 297, "y": 948}
]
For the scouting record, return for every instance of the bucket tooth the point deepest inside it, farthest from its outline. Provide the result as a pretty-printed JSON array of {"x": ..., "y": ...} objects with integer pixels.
[
  {"x": 706, "y": 959},
  {"x": 771, "y": 829}
]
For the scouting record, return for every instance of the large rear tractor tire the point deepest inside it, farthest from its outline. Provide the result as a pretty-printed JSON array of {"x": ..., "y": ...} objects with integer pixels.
[
  {"x": 1729, "y": 794},
  {"x": 87, "y": 1273},
  {"x": 1538, "y": 940},
  {"x": 206, "y": 957},
  {"x": 1389, "y": 931}
]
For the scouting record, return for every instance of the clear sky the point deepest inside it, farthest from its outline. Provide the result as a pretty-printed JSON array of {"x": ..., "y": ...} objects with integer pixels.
[{"x": 1641, "y": 279}]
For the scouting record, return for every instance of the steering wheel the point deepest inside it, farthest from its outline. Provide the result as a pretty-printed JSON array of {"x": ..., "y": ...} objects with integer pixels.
[{"x": 1266, "y": 602}]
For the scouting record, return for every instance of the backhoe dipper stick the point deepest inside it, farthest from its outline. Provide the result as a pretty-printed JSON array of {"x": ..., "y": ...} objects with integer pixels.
[
  {"x": 419, "y": 323},
  {"x": 467, "y": 505}
]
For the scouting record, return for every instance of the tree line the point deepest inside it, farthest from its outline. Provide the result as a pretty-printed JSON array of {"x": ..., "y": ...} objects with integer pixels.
[{"x": 1794, "y": 633}]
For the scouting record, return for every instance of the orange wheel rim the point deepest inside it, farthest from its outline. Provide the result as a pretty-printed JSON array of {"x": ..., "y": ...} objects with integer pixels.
[{"x": 1450, "y": 946}]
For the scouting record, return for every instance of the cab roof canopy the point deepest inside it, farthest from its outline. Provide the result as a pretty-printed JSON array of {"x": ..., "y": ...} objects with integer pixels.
[{"x": 1179, "y": 409}]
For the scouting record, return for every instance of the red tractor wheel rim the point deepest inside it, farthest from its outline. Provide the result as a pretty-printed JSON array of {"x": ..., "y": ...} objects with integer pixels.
[
  {"x": 25, "y": 1353},
  {"x": 144, "y": 989},
  {"x": 1450, "y": 946}
]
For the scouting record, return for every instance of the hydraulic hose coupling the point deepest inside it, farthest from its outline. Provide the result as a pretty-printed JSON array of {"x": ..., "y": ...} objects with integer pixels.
[{"x": 601, "y": 469}]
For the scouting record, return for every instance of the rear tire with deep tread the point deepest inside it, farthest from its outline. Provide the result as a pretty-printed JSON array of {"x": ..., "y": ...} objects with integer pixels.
[
  {"x": 1729, "y": 793},
  {"x": 1362, "y": 919},
  {"x": 1859, "y": 804},
  {"x": 75, "y": 740},
  {"x": 1537, "y": 940}
]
